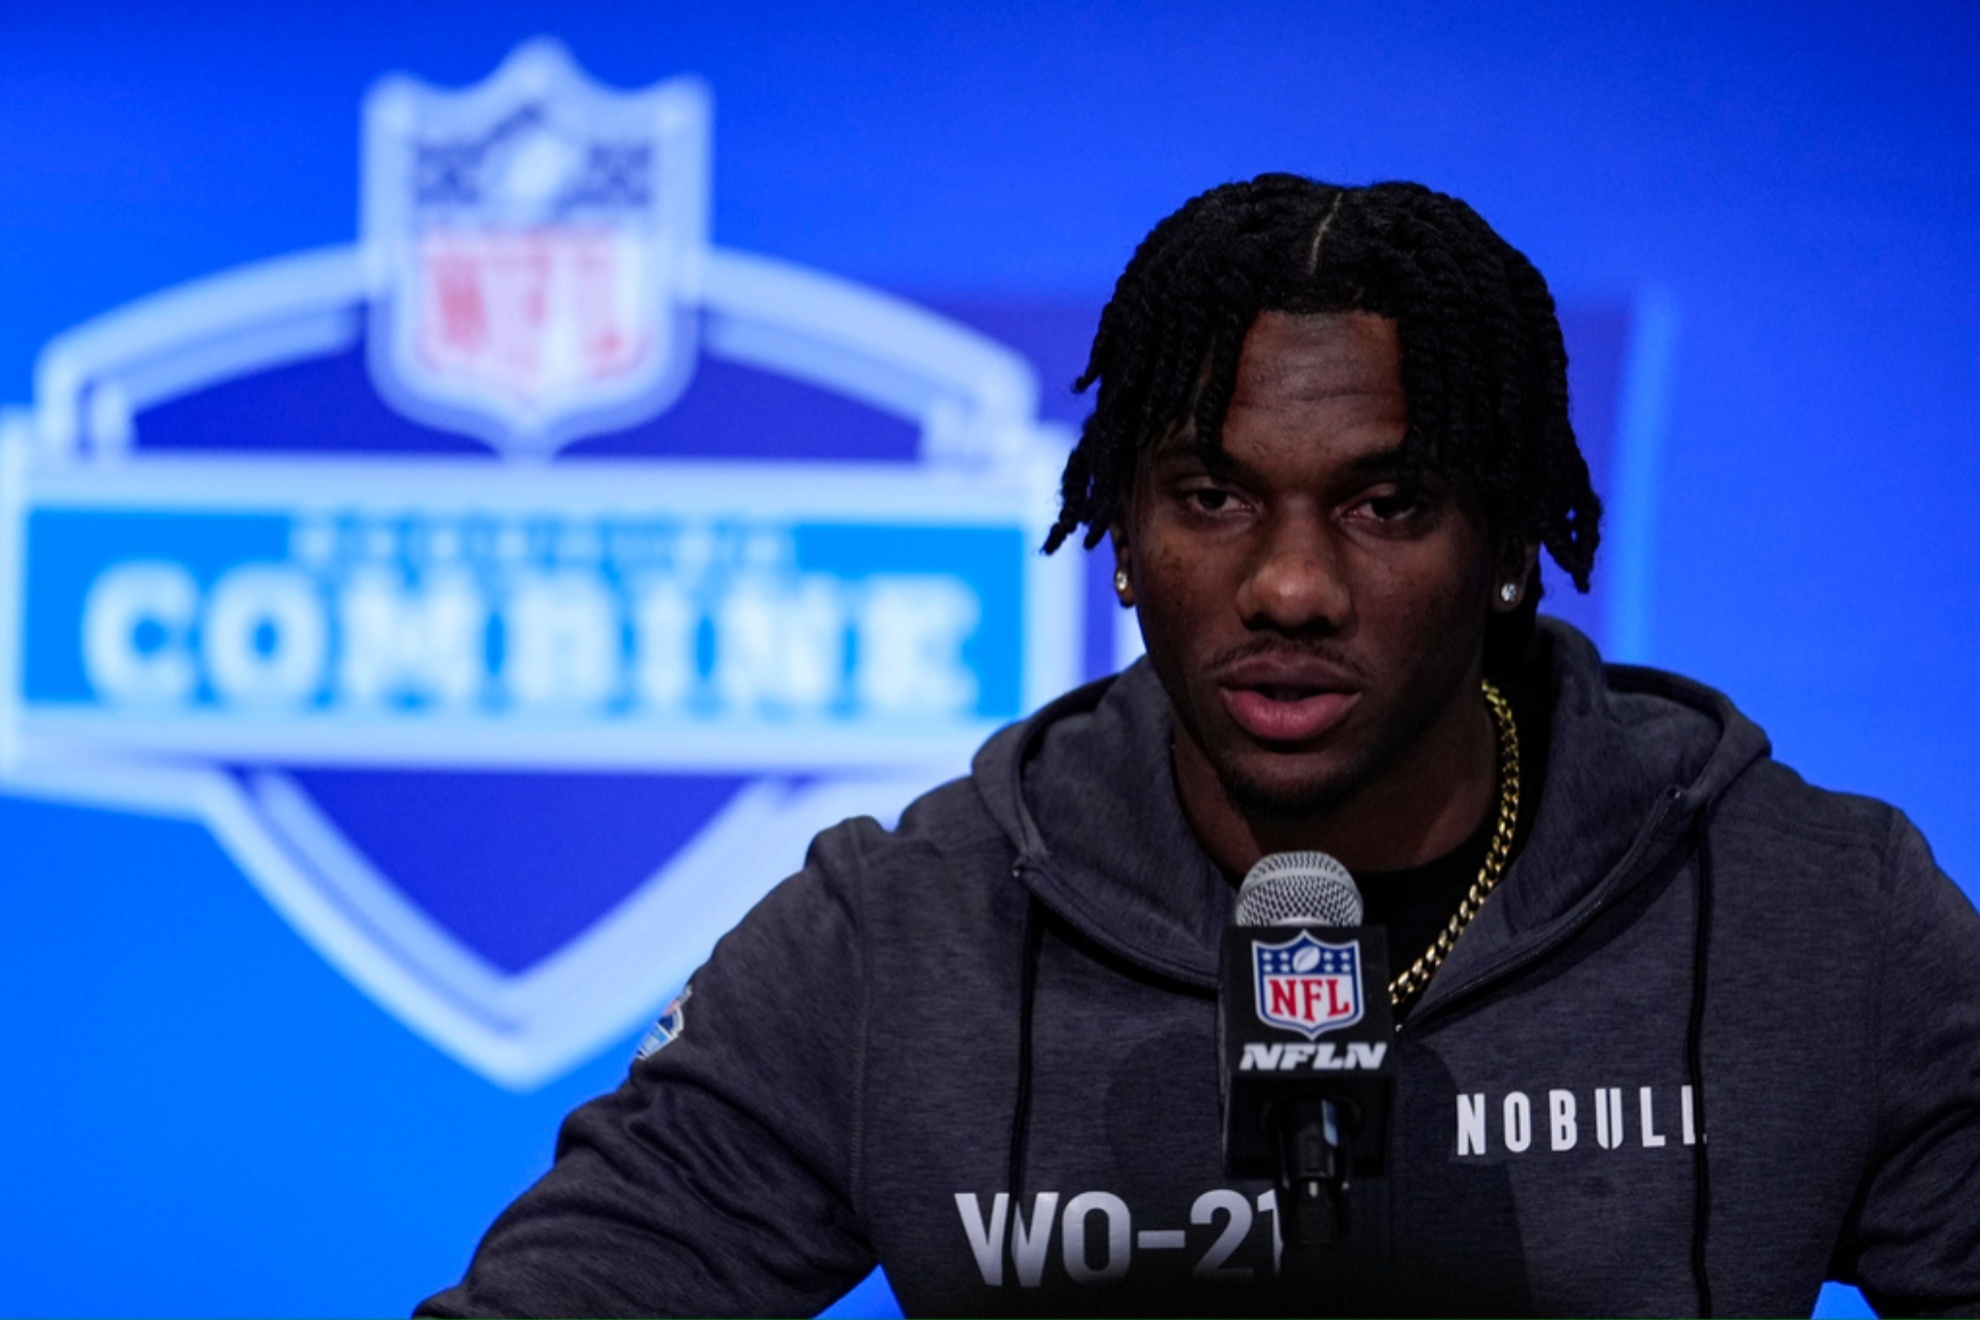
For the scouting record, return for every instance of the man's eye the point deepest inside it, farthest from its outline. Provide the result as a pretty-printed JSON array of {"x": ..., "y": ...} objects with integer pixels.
[
  {"x": 1209, "y": 498},
  {"x": 1393, "y": 508}
]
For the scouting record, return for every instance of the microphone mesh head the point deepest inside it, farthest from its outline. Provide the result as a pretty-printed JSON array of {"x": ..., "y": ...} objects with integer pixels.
[{"x": 1298, "y": 888}]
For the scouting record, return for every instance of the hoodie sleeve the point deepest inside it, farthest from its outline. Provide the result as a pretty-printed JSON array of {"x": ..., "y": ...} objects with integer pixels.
[
  {"x": 719, "y": 1179},
  {"x": 1913, "y": 1239}
]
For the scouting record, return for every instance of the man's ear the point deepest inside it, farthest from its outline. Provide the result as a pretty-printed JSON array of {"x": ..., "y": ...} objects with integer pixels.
[
  {"x": 1518, "y": 575},
  {"x": 1123, "y": 574}
]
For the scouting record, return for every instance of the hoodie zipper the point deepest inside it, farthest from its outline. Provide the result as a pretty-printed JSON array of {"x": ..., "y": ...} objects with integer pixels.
[{"x": 1669, "y": 799}]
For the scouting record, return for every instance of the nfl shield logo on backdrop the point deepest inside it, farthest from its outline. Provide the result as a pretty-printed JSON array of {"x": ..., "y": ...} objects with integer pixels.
[
  {"x": 1308, "y": 985},
  {"x": 512, "y": 743},
  {"x": 535, "y": 244}
]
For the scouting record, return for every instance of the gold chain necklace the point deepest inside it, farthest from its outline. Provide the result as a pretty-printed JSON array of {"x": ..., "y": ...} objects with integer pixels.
[{"x": 1418, "y": 974}]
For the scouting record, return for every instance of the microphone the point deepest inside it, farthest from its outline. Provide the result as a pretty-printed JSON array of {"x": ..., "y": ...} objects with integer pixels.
[{"x": 1308, "y": 1041}]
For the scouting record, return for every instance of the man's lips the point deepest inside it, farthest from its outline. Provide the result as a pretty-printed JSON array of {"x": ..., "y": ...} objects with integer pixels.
[
  {"x": 1286, "y": 697},
  {"x": 1289, "y": 713}
]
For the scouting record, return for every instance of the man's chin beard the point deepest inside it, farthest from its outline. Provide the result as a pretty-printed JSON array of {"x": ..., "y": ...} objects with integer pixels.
[{"x": 1287, "y": 803}]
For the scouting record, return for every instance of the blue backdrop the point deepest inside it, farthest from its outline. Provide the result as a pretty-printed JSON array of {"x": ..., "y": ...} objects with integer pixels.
[{"x": 1761, "y": 223}]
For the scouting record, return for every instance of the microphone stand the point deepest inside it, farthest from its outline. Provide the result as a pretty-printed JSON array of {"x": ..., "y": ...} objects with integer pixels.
[{"x": 1314, "y": 1172}]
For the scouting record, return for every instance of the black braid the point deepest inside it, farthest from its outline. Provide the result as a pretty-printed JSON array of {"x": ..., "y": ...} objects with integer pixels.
[{"x": 1483, "y": 366}]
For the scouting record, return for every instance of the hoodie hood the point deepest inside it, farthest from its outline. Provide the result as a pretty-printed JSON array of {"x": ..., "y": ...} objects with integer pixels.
[{"x": 1634, "y": 754}]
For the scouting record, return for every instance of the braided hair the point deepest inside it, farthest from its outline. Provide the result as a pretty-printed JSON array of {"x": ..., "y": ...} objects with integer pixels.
[{"x": 1483, "y": 367}]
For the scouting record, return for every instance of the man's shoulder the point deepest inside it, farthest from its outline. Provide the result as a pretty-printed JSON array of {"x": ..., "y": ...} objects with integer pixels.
[
  {"x": 1775, "y": 798},
  {"x": 1836, "y": 847},
  {"x": 948, "y": 822},
  {"x": 1669, "y": 733},
  {"x": 973, "y": 829},
  {"x": 954, "y": 821}
]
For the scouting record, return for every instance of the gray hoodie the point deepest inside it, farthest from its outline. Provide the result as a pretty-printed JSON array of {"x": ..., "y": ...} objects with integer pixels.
[{"x": 980, "y": 1050}]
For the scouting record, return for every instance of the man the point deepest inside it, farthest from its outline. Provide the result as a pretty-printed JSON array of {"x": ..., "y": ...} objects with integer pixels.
[{"x": 1331, "y": 436}]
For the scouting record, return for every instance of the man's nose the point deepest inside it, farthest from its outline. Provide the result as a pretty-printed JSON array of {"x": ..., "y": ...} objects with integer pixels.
[{"x": 1296, "y": 581}]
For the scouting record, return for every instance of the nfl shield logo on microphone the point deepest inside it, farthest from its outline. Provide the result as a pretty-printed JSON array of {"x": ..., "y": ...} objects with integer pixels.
[{"x": 1308, "y": 985}]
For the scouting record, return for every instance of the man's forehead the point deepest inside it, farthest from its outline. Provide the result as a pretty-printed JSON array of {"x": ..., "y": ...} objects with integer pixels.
[
  {"x": 1320, "y": 355},
  {"x": 1186, "y": 449},
  {"x": 1323, "y": 369}
]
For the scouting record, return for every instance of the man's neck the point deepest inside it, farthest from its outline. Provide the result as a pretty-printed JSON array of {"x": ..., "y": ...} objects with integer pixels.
[{"x": 1421, "y": 805}]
